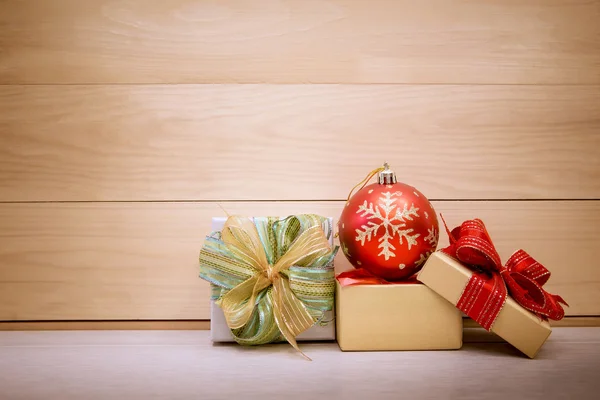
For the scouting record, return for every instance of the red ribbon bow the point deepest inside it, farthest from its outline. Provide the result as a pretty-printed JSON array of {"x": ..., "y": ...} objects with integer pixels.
[{"x": 486, "y": 291}]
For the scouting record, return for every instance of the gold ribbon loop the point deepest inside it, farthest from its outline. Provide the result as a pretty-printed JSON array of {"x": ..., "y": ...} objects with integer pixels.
[{"x": 291, "y": 316}]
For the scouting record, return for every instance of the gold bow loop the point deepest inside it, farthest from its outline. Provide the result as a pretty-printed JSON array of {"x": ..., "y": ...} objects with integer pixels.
[{"x": 291, "y": 316}]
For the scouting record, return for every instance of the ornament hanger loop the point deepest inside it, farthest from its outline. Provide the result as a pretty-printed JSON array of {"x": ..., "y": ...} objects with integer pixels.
[{"x": 364, "y": 182}]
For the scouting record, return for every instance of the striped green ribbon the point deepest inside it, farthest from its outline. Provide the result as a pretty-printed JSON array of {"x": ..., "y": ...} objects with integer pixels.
[{"x": 311, "y": 279}]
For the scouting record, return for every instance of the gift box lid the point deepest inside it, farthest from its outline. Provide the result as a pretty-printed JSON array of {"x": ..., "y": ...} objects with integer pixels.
[{"x": 518, "y": 326}]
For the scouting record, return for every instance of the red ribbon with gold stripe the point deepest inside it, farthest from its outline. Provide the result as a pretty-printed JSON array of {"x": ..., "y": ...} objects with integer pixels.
[{"x": 522, "y": 277}]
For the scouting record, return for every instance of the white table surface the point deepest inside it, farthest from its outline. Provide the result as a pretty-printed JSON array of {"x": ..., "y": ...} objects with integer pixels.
[{"x": 185, "y": 365}]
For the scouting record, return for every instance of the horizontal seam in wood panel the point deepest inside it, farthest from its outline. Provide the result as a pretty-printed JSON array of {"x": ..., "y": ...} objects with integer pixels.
[
  {"x": 275, "y": 200},
  {"x": 150, "y": 325},
  {"x": 36, "y": 321},
  {"x": 257, "y": 83},
  {"x": 466, "y": 319}
]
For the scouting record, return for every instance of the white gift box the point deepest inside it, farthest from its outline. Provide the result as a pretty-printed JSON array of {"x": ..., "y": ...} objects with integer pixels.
[{"x": 220, "y": 332}]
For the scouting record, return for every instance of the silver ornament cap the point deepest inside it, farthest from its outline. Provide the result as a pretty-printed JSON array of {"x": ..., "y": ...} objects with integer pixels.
[{"x": 387, "y": 176}]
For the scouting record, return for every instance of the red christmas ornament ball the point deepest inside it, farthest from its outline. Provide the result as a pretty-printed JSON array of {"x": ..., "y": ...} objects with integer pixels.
[{"x": 388, "y": 229}]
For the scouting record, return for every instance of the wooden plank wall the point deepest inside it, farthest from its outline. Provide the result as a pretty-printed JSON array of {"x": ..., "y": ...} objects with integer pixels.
[{"x": 125, "y": 124}]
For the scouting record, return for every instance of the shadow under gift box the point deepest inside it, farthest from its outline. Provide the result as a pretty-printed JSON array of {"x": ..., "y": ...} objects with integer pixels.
[
  {"x": 220, "y": 332},
  {"x": 516, "y": 325},
  {"x": 407, "y": 316}
]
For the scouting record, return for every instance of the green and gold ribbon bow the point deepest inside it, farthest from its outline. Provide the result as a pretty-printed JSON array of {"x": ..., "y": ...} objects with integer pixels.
[{"x": 273, "y": 278}]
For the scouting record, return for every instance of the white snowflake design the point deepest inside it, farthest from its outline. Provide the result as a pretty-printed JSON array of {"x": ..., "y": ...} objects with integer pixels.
[
  {"x": 423, "y": 257},
  {"x": 345, "y": 250},
  {"x": 432, "y": 237},
  {"x": 391, "y": 224}
]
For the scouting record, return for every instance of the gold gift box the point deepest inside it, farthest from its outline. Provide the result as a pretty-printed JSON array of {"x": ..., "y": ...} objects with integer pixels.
[
  {"x": 395, "y": 317},
  {"x": 516, "y": 325}
]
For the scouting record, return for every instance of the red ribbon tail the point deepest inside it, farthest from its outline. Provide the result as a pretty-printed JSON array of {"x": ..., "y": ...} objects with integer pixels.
[
  {"x": 363, "y": 277},
  {"x": 359, "y": 277},
  {"x": 559, "y": 299},
  {"x": 448, "y": 232}
]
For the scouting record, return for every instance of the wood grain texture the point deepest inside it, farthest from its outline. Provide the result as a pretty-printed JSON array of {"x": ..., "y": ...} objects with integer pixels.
[
  {"x": 186, "y": 365},
  {"x": 139, "y": 260},
  {"x": 296, "y": 142},
  {"x": 300, "y": 41}
]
